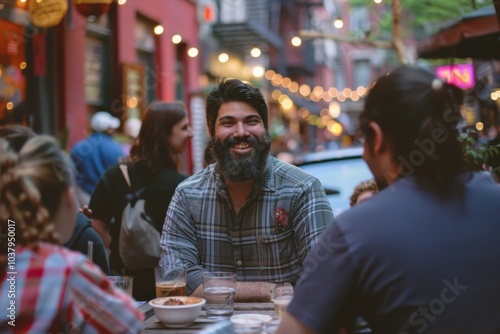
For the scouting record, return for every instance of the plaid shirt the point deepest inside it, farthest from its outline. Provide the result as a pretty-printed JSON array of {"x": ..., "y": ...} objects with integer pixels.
[
  {"x": 59, "y": 291},
  {"x": 266, "y": 241}
]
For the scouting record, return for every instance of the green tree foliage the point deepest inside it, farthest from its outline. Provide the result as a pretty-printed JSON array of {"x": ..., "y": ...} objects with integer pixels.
[
  {"x": 420, "y": 18},
  {"x": 477, "y": 157}
]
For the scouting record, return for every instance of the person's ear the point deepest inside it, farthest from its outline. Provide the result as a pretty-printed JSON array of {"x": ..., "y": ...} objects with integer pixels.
[{"x": 378, "y": 138}]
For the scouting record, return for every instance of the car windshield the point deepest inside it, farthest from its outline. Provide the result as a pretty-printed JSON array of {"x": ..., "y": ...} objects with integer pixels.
[{"x": 339, "y": 176}]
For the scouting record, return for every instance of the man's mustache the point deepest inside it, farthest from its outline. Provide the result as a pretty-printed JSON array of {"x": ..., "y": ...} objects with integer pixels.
[{"x": 231, "y": 141}]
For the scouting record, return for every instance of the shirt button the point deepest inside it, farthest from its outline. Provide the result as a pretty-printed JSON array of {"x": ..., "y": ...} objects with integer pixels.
[{"x": 239, "y": 262}]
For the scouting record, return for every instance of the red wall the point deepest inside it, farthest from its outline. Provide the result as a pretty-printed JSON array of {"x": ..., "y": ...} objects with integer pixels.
[
  {"x": 73, "y": 88},
  {"x": 176, "y": 16}
]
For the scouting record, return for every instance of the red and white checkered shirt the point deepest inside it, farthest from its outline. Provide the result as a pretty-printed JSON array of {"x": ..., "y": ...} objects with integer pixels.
[{"x": 56, "y": 290}]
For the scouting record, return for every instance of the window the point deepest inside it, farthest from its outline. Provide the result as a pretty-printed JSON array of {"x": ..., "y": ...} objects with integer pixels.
[
  {"x": 233, "y": 11},
  {"x": 359, "y": 20},
  {"x": 97, "y": 64},
  {"x": 362, "y": 73},
  {"x": 94, "y": 54},
  {"x": 146, "y": 49}
]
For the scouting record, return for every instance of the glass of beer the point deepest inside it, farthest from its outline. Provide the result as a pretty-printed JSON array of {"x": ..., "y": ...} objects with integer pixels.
[{"x": 170, "y": 281}]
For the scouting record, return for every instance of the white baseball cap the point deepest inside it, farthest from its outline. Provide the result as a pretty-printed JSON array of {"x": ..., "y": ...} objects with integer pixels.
[{"x": 102, "y": 121}]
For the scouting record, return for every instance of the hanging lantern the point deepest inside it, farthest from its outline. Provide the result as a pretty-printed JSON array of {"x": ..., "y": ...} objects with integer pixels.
[{"x": 93, "y": 8}]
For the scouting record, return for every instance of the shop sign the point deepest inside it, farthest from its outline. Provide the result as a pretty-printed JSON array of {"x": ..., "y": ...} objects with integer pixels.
[
  {"x": 461, "y": 75},
  {"x": 47, "y": 13}
]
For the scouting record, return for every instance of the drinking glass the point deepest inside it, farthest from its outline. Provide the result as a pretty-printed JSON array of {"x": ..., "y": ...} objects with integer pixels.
[
  {"x": 123, "y": 282},
  {"x": 281, "y": 296},
  {"x": 219, "y": 289},
  {"x": 170, "y": 281}
]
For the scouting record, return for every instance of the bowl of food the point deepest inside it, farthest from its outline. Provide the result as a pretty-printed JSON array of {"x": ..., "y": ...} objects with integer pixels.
[{"x": 178, "y": 311}]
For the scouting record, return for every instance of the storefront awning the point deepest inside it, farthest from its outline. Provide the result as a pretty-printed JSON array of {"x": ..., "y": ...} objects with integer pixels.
[{"x": 475, "y": 35}]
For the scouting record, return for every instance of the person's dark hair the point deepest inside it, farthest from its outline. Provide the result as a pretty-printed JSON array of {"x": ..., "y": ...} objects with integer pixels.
[
  {"x": 208, "y": 155},
  {"x": 152, "y": 143},
  {"x": 16, "y": 135},
  {"x": 367, "y": 185},
  {"x": 419, "y": 113},
  {"x": 234, "y": 90}
]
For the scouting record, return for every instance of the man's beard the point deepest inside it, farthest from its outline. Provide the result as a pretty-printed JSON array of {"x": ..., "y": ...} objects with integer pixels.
[{"x": 242, "y": 167}]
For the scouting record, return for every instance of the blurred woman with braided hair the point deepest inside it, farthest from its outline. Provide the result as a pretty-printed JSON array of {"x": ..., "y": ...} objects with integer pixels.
[
  {"x": 45, "y": 287},
  {"x": 16, "y": 136}
]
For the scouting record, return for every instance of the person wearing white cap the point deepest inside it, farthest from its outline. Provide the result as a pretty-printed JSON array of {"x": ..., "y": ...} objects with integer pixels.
[{"x": 93, "y": 155}]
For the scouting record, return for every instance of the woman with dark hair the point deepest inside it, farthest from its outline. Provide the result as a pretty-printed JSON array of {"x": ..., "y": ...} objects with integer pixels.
[{"x": 154, "y": 164}]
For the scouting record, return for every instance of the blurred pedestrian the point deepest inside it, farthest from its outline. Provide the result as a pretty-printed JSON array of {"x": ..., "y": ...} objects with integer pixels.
[
  {"x": 421, "y": 255},
  {"x": 47, "y": 288},
  {"x": 363, "y": 191},
  {"x": 154, "y": 163},
  {"x": 248, "y": 212},
  {"x": 93, "y": 155},
  {"x": 17, "y": 136}
]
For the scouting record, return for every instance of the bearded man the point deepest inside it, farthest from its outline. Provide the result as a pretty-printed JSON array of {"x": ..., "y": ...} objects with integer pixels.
[{"x": 248, "y": 213}]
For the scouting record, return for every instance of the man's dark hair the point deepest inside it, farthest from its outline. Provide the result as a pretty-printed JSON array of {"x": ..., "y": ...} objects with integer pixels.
[
  {"x": 234, "y": 90},
  {"x": 419, "y": 113}
]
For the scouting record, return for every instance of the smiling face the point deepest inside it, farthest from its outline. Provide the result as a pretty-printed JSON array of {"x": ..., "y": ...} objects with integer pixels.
[
  {"x": 241, "y": 143},
  {"x": 180, "y": 135}
]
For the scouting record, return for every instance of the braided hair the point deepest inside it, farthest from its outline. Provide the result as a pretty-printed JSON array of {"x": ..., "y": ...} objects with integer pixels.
[{"x": 31, "y": 187}]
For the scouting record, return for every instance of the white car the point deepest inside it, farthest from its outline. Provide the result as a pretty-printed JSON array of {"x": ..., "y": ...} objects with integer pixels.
[{"x": 339, "y": 171}]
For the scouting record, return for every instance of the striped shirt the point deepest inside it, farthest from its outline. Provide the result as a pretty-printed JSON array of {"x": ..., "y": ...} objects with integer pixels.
[
  {"x": 266, "y": 241},
  {"x": 55, "y": 290}
]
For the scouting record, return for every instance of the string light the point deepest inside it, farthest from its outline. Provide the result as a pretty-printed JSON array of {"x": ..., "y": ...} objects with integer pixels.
[
  {"x": 176, "y": 39},
  {"x": 318, "y": 92},
  {"x": 193, "y": 52},
  {"x": 296, "y": 41},
  {"x": 326, "y": 120},
  {"x": 255, "y": 52},
  {"x": 223, "y": 57},
  {"x": 158, "y": 30}
]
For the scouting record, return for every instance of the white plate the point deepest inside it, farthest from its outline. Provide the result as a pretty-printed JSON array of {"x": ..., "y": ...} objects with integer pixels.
[{"x": 251, "y": 319}]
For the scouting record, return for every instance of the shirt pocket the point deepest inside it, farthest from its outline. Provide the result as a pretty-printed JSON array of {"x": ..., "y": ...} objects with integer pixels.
[{"x": 277, "y": 252}]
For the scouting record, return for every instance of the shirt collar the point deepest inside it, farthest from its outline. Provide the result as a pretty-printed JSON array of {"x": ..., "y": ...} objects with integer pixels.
[{"x": 266, "y": 182}]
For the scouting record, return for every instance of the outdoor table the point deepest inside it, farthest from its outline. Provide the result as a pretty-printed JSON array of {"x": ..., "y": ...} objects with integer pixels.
[{"x": 151, "y": 325}]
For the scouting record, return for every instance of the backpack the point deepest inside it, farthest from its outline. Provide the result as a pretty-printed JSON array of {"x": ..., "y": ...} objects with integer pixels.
[{"x": 139, "y": 243}]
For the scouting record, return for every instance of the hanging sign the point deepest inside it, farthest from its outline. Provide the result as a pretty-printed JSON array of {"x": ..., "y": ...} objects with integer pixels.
[
  {"x": 47, "y": 13},
  {"x": 461, "y": 75}
]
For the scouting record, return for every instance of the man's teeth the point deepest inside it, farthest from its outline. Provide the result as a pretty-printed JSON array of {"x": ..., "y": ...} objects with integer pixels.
[{"x": 241, "y": 146}]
